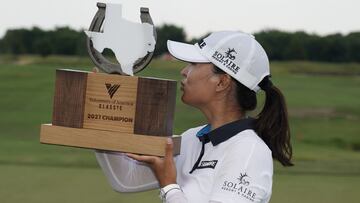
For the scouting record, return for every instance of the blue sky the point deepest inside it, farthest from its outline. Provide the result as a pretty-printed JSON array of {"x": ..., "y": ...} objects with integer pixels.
[{"x": 196, "y": 16}]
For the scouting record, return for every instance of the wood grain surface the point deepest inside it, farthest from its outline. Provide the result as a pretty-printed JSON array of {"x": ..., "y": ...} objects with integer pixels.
[
  {"x": 69, "y": 98},
  {"x": 110, "y": 102},
  {"x": 155, "y": 107},
  {"x": 106, "y": 140},
  {"x": 113, "y": 102}
]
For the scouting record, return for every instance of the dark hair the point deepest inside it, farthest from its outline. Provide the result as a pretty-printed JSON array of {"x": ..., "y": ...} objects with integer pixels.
[{"x": 271, "y": 124}]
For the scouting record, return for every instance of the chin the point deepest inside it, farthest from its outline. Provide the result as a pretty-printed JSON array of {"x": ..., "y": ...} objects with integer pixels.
[
  {"x": 185, "y": 100},
  {"x": 188, "y": 101}
]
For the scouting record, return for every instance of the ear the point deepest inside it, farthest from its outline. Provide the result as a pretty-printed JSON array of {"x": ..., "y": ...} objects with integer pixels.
[{"x": 224, "y": 82}]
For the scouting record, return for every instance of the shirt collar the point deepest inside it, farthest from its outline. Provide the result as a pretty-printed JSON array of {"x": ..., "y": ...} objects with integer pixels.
[
  {"x": 204, "y": 130},
  {"x": 225, "y": 132}
]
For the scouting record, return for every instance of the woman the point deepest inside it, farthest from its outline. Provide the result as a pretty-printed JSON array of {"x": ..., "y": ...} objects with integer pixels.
[{"x": 230, "y": 158}]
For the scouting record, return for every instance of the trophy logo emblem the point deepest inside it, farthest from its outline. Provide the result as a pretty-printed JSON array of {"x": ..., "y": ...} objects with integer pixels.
[{"x": 112, "y": 89}]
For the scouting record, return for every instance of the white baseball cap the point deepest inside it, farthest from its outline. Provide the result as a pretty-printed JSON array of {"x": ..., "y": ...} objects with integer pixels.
[{"x": 236, "y": 53}]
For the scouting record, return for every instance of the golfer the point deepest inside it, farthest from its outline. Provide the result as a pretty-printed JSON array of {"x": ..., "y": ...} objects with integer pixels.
[{"x": 230, "y": 159}]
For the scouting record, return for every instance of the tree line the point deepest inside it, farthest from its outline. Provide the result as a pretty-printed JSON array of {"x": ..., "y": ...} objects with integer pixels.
[{"x": 279, "y": 45}]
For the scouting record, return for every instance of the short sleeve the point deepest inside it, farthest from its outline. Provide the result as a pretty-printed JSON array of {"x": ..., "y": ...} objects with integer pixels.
[{"x": 245, "y": 176}]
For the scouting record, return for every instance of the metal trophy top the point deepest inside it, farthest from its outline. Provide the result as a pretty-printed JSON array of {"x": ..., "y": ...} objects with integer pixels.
[{"x": 132, "y": 43}]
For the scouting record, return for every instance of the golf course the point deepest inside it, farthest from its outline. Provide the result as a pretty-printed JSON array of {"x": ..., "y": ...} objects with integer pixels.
[{"x": 324, "y": 107}]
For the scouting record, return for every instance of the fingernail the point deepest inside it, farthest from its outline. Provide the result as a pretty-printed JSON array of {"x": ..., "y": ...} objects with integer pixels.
[{"x": 169, "y": 140}]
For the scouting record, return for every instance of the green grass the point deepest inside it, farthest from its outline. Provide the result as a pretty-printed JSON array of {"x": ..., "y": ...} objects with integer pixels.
[
  {"x": 324, "y": 117},
  {"x": 315, "y": 188},
  {"x": 41, "y": 184}
]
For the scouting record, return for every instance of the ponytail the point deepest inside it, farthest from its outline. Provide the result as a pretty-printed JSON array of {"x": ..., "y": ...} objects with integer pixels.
[{"x": 272, "y": 123}]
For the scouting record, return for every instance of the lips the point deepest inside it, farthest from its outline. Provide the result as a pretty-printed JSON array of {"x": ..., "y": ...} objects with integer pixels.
[{"x": 182, "y": 86}]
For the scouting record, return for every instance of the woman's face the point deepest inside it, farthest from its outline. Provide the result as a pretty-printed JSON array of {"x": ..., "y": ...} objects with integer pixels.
[{"x": 199, "y": 84}]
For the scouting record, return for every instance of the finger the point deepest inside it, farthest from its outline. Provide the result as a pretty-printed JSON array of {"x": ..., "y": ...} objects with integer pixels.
[
  {"x": 95, "y": 70},
  {"x": 169, "y": 149},
  {"x": 136, "y": 156},
  {"x": 147, "y": 159}
]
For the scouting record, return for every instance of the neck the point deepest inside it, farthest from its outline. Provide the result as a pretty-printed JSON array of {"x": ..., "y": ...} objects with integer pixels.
[{"x": 219, "y": 114}]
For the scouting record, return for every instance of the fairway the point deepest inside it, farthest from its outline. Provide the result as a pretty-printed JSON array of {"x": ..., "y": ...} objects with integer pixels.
[
  {"x": 39, "y": 184},
  {"x": 324, "y": 108}
]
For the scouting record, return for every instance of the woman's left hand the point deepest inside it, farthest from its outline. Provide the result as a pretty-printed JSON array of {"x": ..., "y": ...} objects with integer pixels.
[{"x": 163, "y": 168}]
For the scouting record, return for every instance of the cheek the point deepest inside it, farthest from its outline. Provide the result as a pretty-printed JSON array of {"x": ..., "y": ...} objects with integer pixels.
[{"x": 197, "y": 93}]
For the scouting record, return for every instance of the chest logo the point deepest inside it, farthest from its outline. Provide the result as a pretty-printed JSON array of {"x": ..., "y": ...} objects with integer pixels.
[
  {"x": 208, "y": 164},
  {"x": 240, "y": 186}
]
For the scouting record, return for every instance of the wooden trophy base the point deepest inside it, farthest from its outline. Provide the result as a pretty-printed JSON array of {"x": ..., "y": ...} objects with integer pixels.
[
  {"x": 106, "y": 140},
  {"x": 112, "y": 112}
]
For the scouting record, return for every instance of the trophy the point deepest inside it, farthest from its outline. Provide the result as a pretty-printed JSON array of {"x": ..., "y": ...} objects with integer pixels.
[{"x": 113, "y": 109}]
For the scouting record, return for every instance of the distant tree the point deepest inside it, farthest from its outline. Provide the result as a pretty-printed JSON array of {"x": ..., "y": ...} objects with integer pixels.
[
  {"x": 353, "y": 41},
  {"x": 296, "y": 49},
  {"x": 64, "y": 40},
  {"x": 43, "y": 47},
  {"x": 37, "y": 35},
  {"x": 166, "y": 32},
  {"x": 279, "y": 45},
  {"x": 13, "y": 42},
  {"x": 275, "y": 43},
  {"x": 81, "y": 49},
  {"x": 2, "y": 46},
  {"x": 337, "y": 48},
  {"x": 315, "y": 48}
]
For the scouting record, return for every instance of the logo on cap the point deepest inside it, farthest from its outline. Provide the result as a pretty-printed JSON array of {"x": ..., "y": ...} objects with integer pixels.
[
  {"x": 202, "y": 43},
  {"x": 229, "y": 55},
  {"x": 227, "y": 59}
]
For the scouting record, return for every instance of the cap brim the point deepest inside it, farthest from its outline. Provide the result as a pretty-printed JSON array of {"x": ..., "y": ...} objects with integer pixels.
[{"x": 186, "y": 52}]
